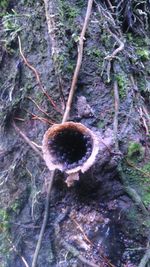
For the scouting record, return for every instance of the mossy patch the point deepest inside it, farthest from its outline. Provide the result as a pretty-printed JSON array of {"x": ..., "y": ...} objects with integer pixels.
[{"x": 135, "y": 151}]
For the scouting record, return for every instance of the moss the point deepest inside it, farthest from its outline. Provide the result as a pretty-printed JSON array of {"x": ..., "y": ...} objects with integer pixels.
[
  {"x": 135, "y": 150},
  {"x": 122, "y": 84},
  {"x": 143, "y": 53},
  {"x": 94, "y": 52},
  {"x": 4, "y": 4},
  {"x": 4, "y": 221},
  {"x": 101, "y": 124}
]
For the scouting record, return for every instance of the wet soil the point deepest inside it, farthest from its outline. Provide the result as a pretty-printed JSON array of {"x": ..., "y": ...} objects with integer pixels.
[{"x": 100, "y": 219}]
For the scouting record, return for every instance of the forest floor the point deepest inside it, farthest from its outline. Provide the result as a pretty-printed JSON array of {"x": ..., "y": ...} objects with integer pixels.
[{"x": 105, "y": 215}]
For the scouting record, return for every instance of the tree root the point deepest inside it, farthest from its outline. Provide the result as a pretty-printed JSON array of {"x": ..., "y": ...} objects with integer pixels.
[{"x": 37, "y": 77}]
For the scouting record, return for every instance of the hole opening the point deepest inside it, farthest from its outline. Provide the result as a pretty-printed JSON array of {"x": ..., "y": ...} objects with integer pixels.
[{"x": 70, "y": 147}]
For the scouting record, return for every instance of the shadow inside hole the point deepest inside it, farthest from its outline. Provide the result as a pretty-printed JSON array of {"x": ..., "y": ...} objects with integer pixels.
[{"x": 71, "y": 147}]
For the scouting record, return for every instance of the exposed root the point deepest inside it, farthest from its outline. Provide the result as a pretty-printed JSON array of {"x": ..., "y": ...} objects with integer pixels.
[
  {"x": 37, "y": 77},
  {"x": 39, "y": 108}
]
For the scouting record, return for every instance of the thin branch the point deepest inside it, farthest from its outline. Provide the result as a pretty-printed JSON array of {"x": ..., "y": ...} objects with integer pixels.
[
  {"x": 120, "y": 43},
  {"x": 37, "y": 77},
  {"x": 17, "y": 252},
  {"x": 79, "y": 61},
  {"x": 118, "y": 49},
  {"x": 38, "y": 246},
  {"x": 41, "y": 109},
  {"x": 116, "y": 96},
  {"x": 27, "y": 140},
  {"x": 65, "y": 117}
]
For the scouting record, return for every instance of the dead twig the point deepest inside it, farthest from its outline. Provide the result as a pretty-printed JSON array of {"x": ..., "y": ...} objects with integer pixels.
[
  {"x": 27, "y": 140},
  {"x": 82, "y": 231},
  {"x": 116, "y": 96},
  {"x": 65, "y": 117},
  {"x": 136, "y": 168},
  {"x": 37, "y": 77},
  {"x": 79, "y": 61},
  {"x": 36, "y": 117},
  {"x": 17, "y": 252},
  {"x": 118, "y": 49},
  {"x": 120, "y": 43}
]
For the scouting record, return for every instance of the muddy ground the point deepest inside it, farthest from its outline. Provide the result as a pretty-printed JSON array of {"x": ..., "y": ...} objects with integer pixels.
[{"x": 99, "y": 216}]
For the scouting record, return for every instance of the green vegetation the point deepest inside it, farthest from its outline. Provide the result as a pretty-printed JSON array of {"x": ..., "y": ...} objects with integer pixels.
[
  {"x": 11, "y": 28},
  {"x": 4, "y": 3},
  {"x": 143, "y": 53},
  {"x": 135, "y": 151},
  {"x": 4, "y": 221},
  {"x": 122, "y": 84},
  {"x": 67, "y": 11}
]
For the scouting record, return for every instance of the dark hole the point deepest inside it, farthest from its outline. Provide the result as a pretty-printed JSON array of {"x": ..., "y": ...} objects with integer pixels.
[{"x": 71, "y": 148}]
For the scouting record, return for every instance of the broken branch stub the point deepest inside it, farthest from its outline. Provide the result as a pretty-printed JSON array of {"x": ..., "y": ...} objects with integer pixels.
[{"x": 70, "y": 147}]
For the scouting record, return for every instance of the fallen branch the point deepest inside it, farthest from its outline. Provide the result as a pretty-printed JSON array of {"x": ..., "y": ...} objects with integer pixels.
[
  {"x": 37, "y": 77},
  {"x": 65, "y": 117},
  {"x": 145, "y": 259}
]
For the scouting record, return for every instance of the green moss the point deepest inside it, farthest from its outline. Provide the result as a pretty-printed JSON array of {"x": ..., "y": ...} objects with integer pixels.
[
  {"x": 143, "y": 53},
  {"x": 4, "y": 3},
  {"x": 4, "y": 220},
  {"x": 122, "y": 84},
  {"x": 101, "y": 124},
  {"x": 94, "y": 52},
  {"x": 135, "y": 150},
  {"x": 67, "y": 12}
]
